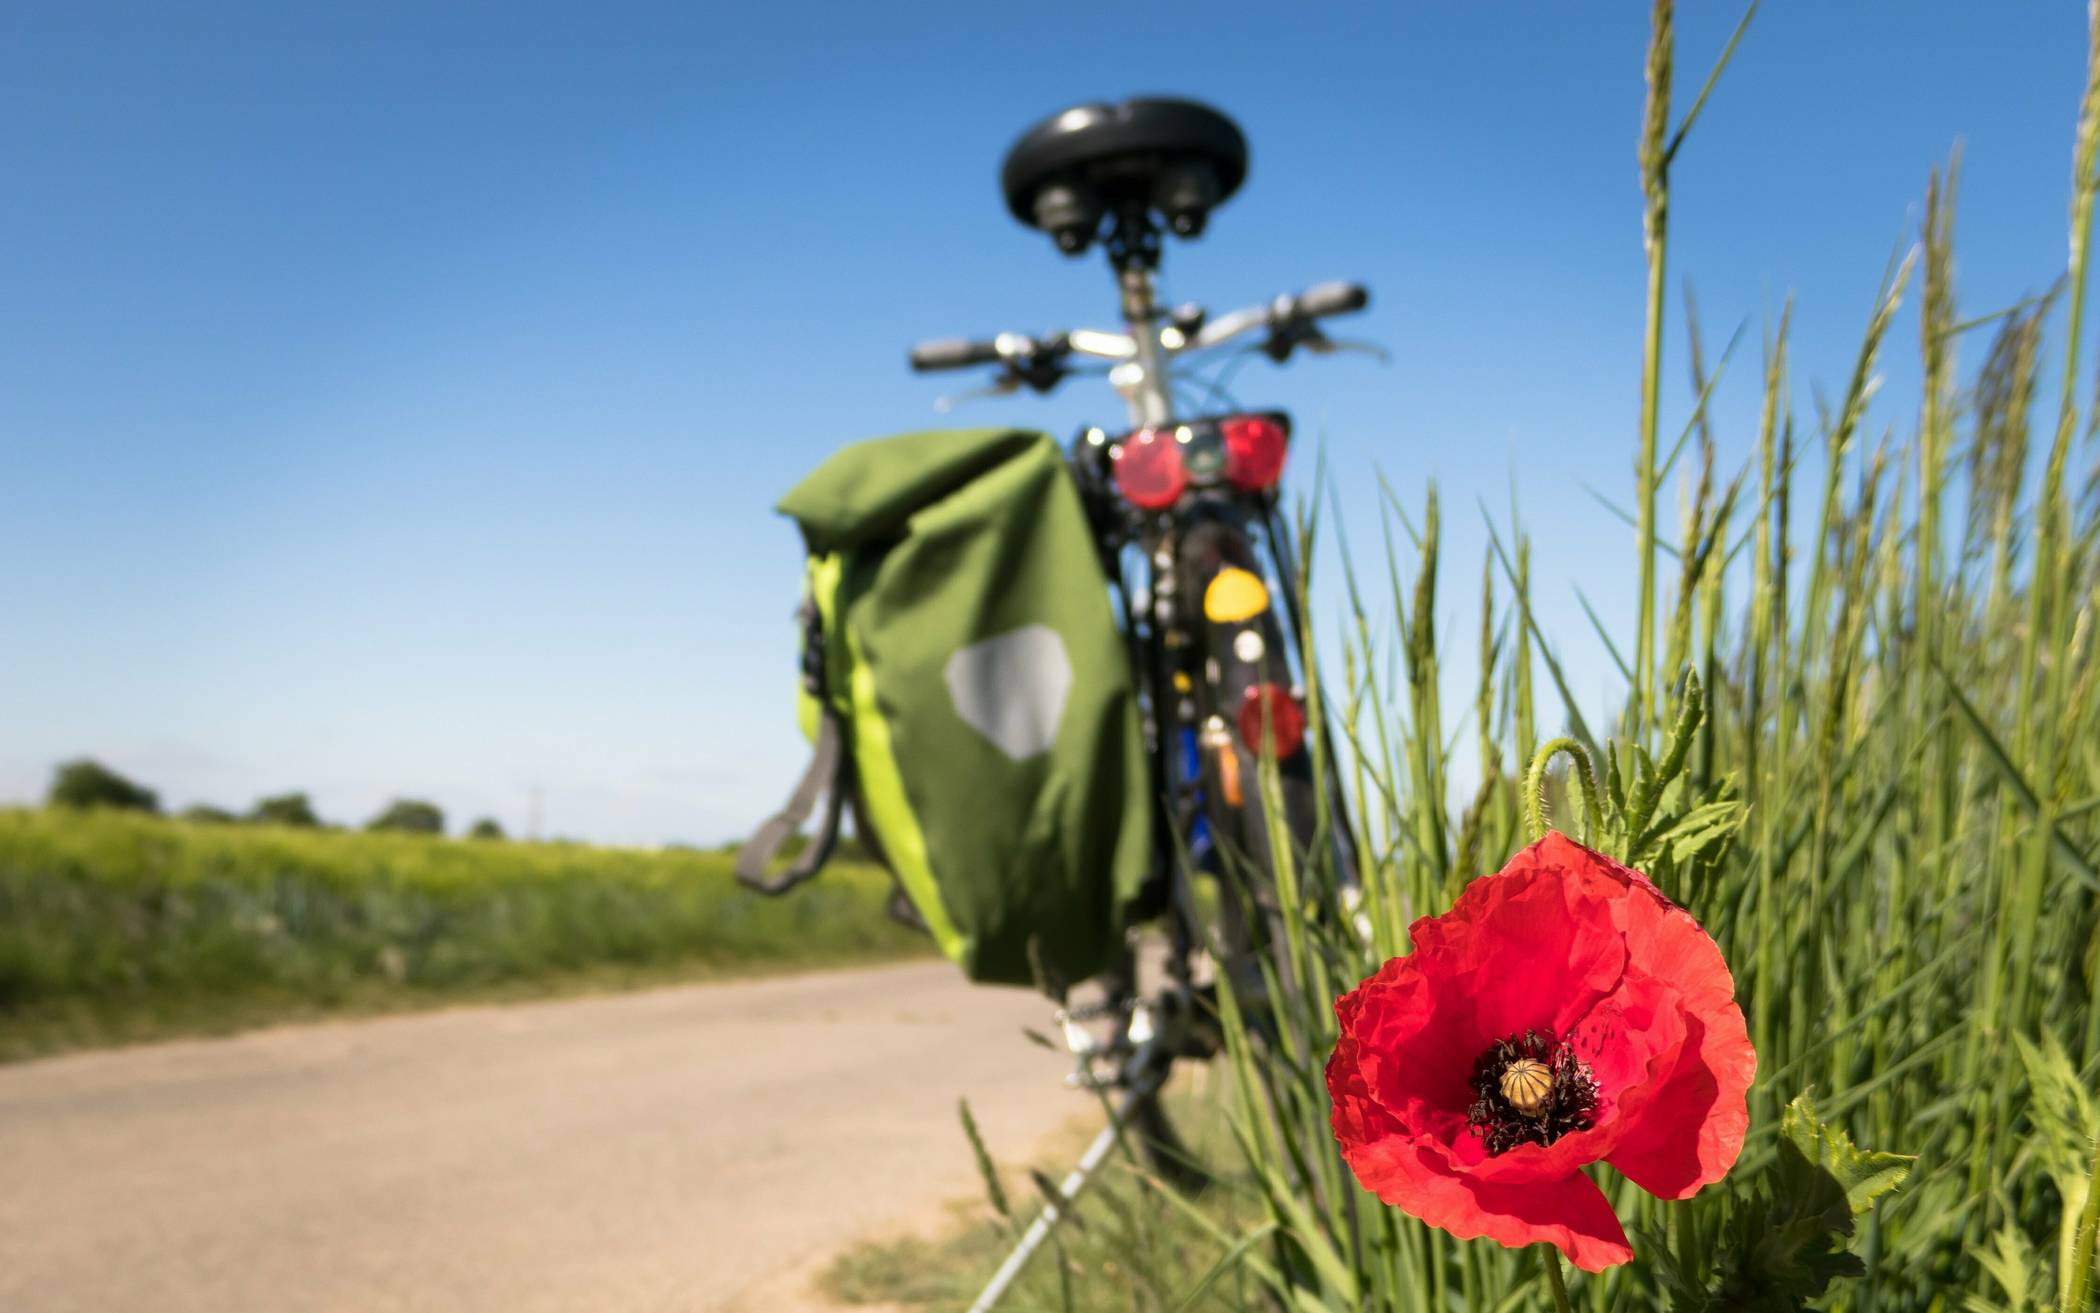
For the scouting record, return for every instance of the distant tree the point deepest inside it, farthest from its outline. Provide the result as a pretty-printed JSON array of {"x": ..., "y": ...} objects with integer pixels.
[
  {"x": 286, "y": 809},
  {"x": 89, "y": 783},
  {"x": 203, "y": 813},
  {"x": 409, "y": 816},
  {"x": 485, "y": 828}
]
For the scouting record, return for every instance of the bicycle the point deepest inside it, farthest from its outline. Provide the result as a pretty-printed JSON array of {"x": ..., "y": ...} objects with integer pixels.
[{"x": 1186, "y": 519}]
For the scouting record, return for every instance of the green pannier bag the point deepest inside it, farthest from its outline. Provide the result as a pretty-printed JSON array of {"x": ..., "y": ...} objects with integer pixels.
[{"x": 969, "y": 695}]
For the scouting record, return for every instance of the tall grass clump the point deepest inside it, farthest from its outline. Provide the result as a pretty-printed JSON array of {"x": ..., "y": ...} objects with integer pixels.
[
  {"x": 1859, "y": 741},
  {"x": 117, "y": 925}
]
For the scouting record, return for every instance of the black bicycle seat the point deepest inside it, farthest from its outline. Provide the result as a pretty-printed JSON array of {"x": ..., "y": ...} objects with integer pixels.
[{"x": 1178, "y": 157}]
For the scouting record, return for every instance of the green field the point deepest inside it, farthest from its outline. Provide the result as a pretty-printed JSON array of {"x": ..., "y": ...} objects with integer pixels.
[{"x": 117, "y": 926}]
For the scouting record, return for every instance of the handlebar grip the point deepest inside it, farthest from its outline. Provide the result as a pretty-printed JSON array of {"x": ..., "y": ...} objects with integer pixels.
[
  {"x": 1332, "y": 299},
  {"x": 953, "y": 353}
]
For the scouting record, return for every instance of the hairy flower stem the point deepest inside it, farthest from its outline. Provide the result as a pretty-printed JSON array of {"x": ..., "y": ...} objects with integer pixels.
[
  {"x": 2078, "y": 1297},
  {"x": 1585, "y": 778},
  {"x": 1549, "y": 1260}
]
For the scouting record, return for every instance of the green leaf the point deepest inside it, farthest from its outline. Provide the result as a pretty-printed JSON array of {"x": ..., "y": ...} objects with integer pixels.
[
  {"x": 1681, "y": 1278},
  {"x": 1223, "y": 1265},
  {"x": 1697, "y": 832},
  {"x": 2066, "y": 1124},
  {"x": 1792, "y": 1252},
  {"x": 1995, "y": 753},
  {"x": 992, "y": 1189},
  {"x": 2018, "y": 1270},
  {"x": 1863, "y": 1174},
  {"x": 1786, "y": 1236},
  {"x": 2062, "y": 1111},
  {"x": 1055, "y": 1198}
]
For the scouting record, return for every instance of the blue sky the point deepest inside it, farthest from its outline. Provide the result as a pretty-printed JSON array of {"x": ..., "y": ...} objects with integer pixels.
[{"x": 392, "y": 397}]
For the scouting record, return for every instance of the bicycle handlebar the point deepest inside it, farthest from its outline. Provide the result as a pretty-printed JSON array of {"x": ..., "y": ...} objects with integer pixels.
[
  {"x": 1039, "y": 362},
  {"x": 1284, "y": 314},
  {"x": 953, "y": 353},
  {"x": 1331, "y": 299}
]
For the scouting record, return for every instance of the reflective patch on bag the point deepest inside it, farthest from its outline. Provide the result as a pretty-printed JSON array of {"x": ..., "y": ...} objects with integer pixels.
[{"x": 1012, "y": 688}]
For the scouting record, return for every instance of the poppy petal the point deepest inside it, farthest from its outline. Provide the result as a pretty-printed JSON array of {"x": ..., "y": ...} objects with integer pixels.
[
  {"x": 1416, "y": 1039},
  {"x": 1571, "y": 1213},
  {"x": 1692, "y": 1129},
  {"x": 1533, "y": 950},
  {"x": 1670, "y": 945}
]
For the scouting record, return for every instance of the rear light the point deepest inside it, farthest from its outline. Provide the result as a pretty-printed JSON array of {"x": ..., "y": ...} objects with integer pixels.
[
  {"x": 1255, "y": 447},
  {"x": 1149, "y": 469},
  {"x": 1285, "y": 720}
]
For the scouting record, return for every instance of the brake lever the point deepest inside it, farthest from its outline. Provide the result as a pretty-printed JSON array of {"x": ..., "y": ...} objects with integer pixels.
[
  {"x": 1286, "y": 336},
  {"x": 1327, "y": 346},
  {"x": 1290, "y": 335},
  {"x": 1042, "y": 365},
  {"x": 1003, "y": 386}
]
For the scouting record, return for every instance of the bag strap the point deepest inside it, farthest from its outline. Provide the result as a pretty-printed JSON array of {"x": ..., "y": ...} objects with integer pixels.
[{"x": 826, "y": 776}]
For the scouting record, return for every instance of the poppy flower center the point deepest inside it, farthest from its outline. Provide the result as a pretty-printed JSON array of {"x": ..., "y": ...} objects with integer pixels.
[{"x": 1530, "y": 1089}]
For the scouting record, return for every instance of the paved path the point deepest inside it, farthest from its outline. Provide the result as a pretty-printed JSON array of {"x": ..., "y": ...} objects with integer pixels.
[{"x": 696, "y": 1148}]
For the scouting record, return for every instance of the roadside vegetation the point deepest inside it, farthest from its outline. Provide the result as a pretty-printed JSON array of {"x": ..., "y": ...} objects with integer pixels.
[
  {"x": 1131, "y": 1232},
  {"x": 121, "y": 925}
]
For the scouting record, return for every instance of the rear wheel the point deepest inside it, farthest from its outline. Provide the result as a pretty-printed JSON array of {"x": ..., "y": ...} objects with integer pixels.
[
  {"x": 1244, "y": 688},
  {"x": 1200, "y": 657},
  {"x": 1252, "y": 711}
]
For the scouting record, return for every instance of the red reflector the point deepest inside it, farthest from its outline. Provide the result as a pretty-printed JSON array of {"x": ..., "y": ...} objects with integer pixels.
[
  {"x": 1286, "y": 719},
  {"x": 1255, "y": 446},
  {"x": 1149, "y": 469}
]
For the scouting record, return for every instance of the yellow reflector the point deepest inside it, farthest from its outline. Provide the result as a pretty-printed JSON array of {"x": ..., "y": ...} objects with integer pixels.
[
  {"x": 1181, "y": 681},
  {"x": 1234, "y": 595}
]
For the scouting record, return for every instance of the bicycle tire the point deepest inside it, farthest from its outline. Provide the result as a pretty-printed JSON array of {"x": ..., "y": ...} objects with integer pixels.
[{"x": 1234, "y": 656}]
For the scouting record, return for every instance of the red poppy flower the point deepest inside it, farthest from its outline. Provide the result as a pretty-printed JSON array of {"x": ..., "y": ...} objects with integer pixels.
[{"x": 1562, "y": 1013}]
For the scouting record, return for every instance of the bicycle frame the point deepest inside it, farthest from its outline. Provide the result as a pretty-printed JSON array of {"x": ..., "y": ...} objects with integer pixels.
[
  {"x": 1143, "y": 355},
  {"x": 1142, "y": 379}
]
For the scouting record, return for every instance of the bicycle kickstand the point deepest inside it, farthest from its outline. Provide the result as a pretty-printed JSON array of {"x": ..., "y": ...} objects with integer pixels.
[{"x": 1055, "y": 1211}]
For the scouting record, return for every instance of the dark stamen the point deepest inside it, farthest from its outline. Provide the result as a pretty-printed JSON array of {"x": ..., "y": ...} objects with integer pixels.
[{"x": 1571, "y": 1104}]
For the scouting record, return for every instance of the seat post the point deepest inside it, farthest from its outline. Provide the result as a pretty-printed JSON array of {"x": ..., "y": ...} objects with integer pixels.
[{"x": 1133, "y": 248}]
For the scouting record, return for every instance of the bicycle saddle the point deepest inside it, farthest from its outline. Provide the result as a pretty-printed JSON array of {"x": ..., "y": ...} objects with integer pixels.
[{"x": 1178, "y": 157}]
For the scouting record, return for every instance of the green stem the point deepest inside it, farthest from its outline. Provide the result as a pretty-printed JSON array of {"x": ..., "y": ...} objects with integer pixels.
[
  {"x": 1655, "y": 189},
  {"x": 1549, "y": 1260}
]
